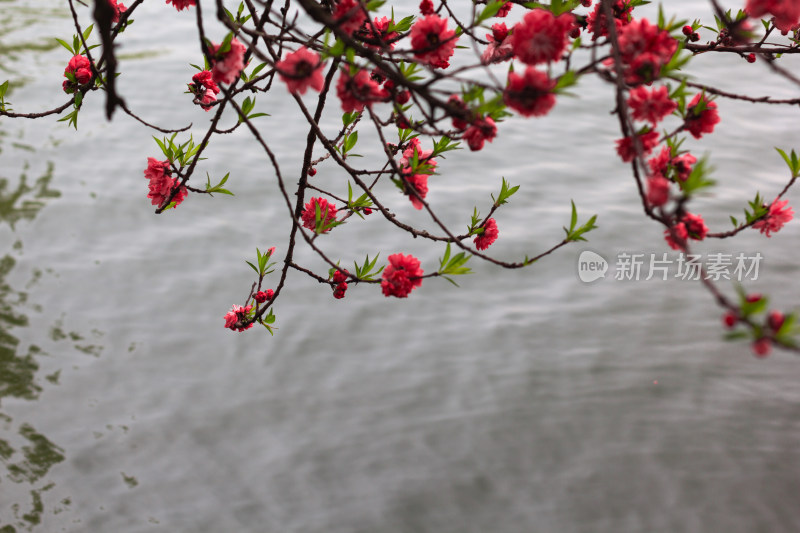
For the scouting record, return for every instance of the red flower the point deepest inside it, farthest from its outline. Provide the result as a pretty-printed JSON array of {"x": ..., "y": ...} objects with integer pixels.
[
  {"x": 651, "y": 106},
  {"x": 786, "y": 12},
  {"x": 182, "y": 4},
  {"x": 762, "y": 347},
  {"x": 340, "y": 276},
  {"x": 729, "y": 319},
  {"x": 161, "y": 184},
  {"x": 81, "y": 69},
  {"x": 262, "y": 296},
  {"x": 504, "y": 9},
  {"x": 541, "y": 36},
  {"x": 776, "y": 217},
  {"x": 775, "y": 320},
  {"x": 489, "y": 235},
  {"x": 627, "y": 151},
  {"x": 482, "y": 129},
  {"x": 676, "y": 236},
  {"x": 379, "y": 37},
  {"x": 236, "y": 314},
  {"x": 657, "y": 190},
  {"x": 416, "y": 181},
  {"x": 433, "y": 42},
  {"x": 500, "y": 48},
  {"x": 226, "y": 67},
  {"x": 596, "y": 21},
  {"x": 358, "y": 91},
  {"x": 701, "y": 116},
  {"x": 458, "y": 120},
  {"x": 349, "y": 15},
  {"x": 300, "y": 70},
  {"x": 530, "y": 94},
  {"x": 327, "y": 213},
  {"x": 204, "y": 88},
  {"x": 683, "y": 165},
  {"x": 339, "y": 291},
  {"x": 660, "y": 163},
  {"x": 398, "y": 275},
  {"x": 426, "y": 7},
  {"x": 118, "y": 8},
  {"x": 645, "y": 49},
  {"x": 695, "y": 226}
]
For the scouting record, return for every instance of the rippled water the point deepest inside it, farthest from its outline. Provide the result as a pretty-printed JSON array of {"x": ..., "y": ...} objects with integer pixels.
[{"x": 523, "y": 401}]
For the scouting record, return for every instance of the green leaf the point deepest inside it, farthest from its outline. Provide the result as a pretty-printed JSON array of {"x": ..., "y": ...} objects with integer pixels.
[
  {"x": 87, "y": 32},
  {"x": 65, "y": 45},
  {"x": 252, "y": 266}
]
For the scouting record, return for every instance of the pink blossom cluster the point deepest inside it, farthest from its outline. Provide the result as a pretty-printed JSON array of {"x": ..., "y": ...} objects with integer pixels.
[
  {"x": 161, "y": 183},
  {"x": 359, "y": 91},
  {"x": 180, "y": 5},
  {"x": 489, "y": 235},
  {"x": 432, "y": 41},
  {"x": 327, "y": 213},
  {"x": 340, "y": 279},
  {"x": 78, "y": 72},
  {"x": 204, "y": 88},
  {"x": 238, "y": 314},
  {"x": 541, "y": 37},
  {"x": 416, "y": 181},
  {"x": 401, "y": 276},
  {"x": 530, "y": 94},
  {"x": 119, "y": 8},
  {"x": 644, "y": 50},
  {"x": 778, "y": 214},
  {"x": 786, "y": 13},
  {"x": 691, "y": 226},
  {"x": 227, "y": 66},
  {"x": 596, "y": 21},
  {"x": 300, "y": 70}
]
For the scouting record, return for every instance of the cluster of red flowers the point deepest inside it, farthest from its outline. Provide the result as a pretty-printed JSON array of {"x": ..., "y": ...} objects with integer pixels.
[
  {"x": 777, "y": 215},
  {"x": 541, "y": 37},
  {"x": 227, "y": 66},
  {"x": 204, "y": 89},
  {"x": 78, "y": 72},
  {"x": 327, "y": 212},
  {"x": 263, "y": 296},
  {"x": 644, "y": 50},
  {"x": 433, "y": 43},
  {"x": 690, "y": 227},
  {"x": 359, "y": 91},
  {"x": 161, "y": 183},
  {"x": 701, "y": 116},
  {"x": 340, "y": 278},
  {"x": 118, "y": 8},
  {"x": 401, "y": 276},
  {"x": 300, "y": 70},
  {"x": 786, "y": 13},
  {"x": 416, "y": 178},
  {"x": 180, "y": 5},
  {"x": 596, "y": 21},
  {"x": 238, "y": 314},
  {"x": 489, "y": 235}
]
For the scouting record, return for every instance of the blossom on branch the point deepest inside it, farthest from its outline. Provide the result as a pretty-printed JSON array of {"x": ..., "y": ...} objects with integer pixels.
[
  {"x": 180, "y": 5},
  {"x": 433, "y": 42},
  {"x": 78, "y": 72},
  {"x": 327, "y": 214},
  {"x": 300, "y": 70},
  {"x": 226, "y": 66},
  {"x": 657, "y": 190},
  {"x": 238, "y": 314},
  {"x": 204, "y": 88},
  {"x": 596, "y": 20},
  {"x": 415, "y": 179},
  {"x": 701, "y": 116},
  {"x": 650, "y": 105},
  {"x": 489, "y": 235},
  {"x": 358, "y": 91},
  {"x": 530, "y": 94},
  {"x": 118, "y": 8},
  {"x": 161, "y": 183},
  {"x": 500, "y": 48},
  {"x": 426, "y": 7},
  {"x": 786, "y": 12},
  {"x": 376, "y": 36},
  {"x": 349, "y": 15},
  {"x": 263, "y": 296},
  {"x": 398, "y": 276},
  {"x": 627, "y": 150},
  {"x": 777, "y": 215},
  {"x": 541, "y": 36},
  {"x": 482, "y": 129},
  {"x": 644, "y": 50}
]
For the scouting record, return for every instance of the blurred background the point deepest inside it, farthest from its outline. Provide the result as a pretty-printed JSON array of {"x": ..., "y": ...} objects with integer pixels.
[{"x": 521, "y": 401}]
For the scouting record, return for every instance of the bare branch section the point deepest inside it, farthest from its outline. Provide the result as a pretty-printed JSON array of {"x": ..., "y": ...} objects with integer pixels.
[{"x": 423, "y": 85}]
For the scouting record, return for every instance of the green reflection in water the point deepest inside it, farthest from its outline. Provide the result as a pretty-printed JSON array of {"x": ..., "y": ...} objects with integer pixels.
[{"x": 24, "y": 201}]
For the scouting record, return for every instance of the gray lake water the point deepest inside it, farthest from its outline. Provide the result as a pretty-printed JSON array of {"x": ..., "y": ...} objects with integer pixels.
[{"x": 524, "y": 401}]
